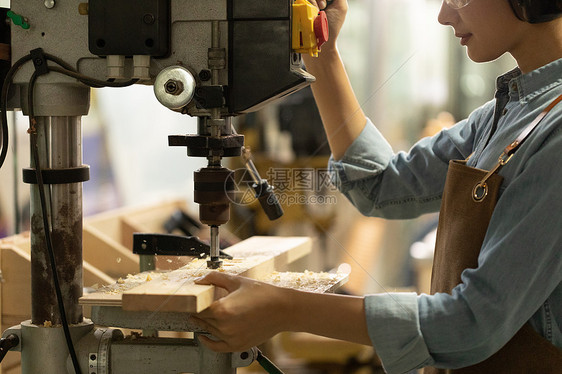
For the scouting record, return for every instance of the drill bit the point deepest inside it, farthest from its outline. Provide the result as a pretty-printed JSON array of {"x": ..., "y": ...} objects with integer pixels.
[{"x": 214, "y": 262}]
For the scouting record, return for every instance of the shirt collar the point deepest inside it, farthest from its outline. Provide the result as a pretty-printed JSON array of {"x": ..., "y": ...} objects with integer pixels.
[{"x": 526, "y": 87}]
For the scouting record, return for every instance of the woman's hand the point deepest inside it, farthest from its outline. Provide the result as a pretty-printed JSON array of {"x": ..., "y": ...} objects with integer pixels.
[
  {"x": 336, "y": 13},
  {"x": 251, "y": 313},
  {"x": 341, "y": 113}
]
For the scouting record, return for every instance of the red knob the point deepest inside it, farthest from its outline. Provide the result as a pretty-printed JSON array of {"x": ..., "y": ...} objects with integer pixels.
[{"x": 321, "y": 28}]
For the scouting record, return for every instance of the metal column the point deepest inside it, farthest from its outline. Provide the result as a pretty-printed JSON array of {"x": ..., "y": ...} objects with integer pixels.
[{"x": 60, "y": 147}]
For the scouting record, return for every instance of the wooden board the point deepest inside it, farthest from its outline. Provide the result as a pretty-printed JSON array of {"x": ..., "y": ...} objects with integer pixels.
[
  {"x": 175, "y": 291},
  {"x": 15, "y": 289},
  {"x": 106, "y": 254}
]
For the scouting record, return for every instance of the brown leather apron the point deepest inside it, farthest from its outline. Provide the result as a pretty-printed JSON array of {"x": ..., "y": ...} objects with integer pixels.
[{"x": 468, "y": 201}]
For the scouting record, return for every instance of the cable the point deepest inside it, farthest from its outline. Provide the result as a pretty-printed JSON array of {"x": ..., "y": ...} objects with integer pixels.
[
  {"x": 267, "y": 364},
  {"x": 4, "y": 130},
  {"x": 59, "y": 61},
  {"x": 8, "y": 343},
  {"x": 4, "y": 104},
  {"x": 92, "y": 82},
  {"x": 65, "y": 69}
]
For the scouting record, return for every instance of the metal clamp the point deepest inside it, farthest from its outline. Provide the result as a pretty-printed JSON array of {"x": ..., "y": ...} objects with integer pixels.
[{"x": 171, "y": 245}]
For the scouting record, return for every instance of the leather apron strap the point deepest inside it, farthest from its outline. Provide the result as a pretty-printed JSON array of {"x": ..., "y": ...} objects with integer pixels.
[{"x": 469, "y": 199}]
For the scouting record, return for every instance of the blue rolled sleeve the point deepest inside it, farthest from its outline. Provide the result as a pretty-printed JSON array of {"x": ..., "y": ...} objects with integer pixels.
[{"x": 394, "y": 329}]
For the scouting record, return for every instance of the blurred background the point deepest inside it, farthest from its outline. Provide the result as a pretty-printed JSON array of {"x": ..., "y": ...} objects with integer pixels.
[{"x": 412, "y": 79}]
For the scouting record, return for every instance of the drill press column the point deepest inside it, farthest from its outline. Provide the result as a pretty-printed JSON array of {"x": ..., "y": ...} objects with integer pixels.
[{"x": 60, "y": 148}]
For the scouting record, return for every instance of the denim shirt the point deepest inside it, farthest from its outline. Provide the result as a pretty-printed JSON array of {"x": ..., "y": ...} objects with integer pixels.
[{"x": 519, "y": 275}]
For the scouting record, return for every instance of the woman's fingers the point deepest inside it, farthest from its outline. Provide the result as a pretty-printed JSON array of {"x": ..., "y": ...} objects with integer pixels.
[
  {"x": 207, "y": 325},
  {"x": 215, "y": 345},
  {"x": 226, "y": 281},
  {"x": 250, "y": 314}
]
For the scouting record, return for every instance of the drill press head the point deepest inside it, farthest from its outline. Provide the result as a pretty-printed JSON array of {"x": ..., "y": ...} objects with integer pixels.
[{"x": 251, "y": 60}]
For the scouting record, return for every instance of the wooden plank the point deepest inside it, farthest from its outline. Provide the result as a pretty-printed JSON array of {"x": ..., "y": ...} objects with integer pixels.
[
  {"x": 175, "y": 291},
  {"x": 260, "y": 255},
  {"x": 152, "y": 216},
  {"x": 166, "y": 296},
  {"x": 274, "y": 253},
  {"x": 16, "y": 284},
  {"x": 93, "y": 275},
  {"x": 106, "y": 254},
  {"x": 169, "y": 297}
]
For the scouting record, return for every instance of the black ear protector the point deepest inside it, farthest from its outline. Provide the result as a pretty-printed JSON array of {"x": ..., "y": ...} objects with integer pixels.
[{"x": 536, "y": 11}]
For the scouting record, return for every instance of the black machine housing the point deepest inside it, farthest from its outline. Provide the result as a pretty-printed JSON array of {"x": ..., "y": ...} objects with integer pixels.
[{"x": 260, "y": 63}]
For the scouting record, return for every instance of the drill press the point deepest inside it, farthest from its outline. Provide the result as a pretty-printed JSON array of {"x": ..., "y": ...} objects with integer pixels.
[{"x": 213, "y": 59}]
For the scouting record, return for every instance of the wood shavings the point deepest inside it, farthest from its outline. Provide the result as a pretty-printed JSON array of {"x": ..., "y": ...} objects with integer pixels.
[
  {"x": 129, "y": 282},
  {"x": 308, "y": 281},
  {"x": 197, "y": 268}
]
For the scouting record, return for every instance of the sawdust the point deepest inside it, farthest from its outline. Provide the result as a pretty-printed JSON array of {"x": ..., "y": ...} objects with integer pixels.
[
  {"x": 197, "y": 268},
  {"x": 308, "y": 281}
]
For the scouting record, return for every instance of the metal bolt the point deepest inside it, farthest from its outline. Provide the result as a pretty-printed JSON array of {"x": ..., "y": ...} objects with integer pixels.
[
  {"x": 49, "y": 4},
  {"x": 173, "y": 87},
  {"x": 205, "y": 75},
  {"x": 148, "y": 19}
]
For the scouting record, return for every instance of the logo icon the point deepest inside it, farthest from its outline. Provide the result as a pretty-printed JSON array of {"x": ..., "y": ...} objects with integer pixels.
[{"x": 242, "y": 193}]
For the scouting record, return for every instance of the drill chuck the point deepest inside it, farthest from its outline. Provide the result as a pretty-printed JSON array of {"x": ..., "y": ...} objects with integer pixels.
[{"x": 214, "y": 189}]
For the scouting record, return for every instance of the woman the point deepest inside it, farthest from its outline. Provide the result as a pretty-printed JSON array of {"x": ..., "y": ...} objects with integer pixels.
[{"x": 496, "y": 303}]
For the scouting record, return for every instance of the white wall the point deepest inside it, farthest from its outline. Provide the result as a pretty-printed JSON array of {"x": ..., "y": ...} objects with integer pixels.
[{"x": 146, "y": 169}]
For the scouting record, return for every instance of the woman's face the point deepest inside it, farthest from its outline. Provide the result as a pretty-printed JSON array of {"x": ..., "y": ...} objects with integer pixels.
[{"x": 488, "y": 28}]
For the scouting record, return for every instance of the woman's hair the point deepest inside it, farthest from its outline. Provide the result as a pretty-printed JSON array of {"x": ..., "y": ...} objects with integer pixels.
[{"x": 536, "y": 11}]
